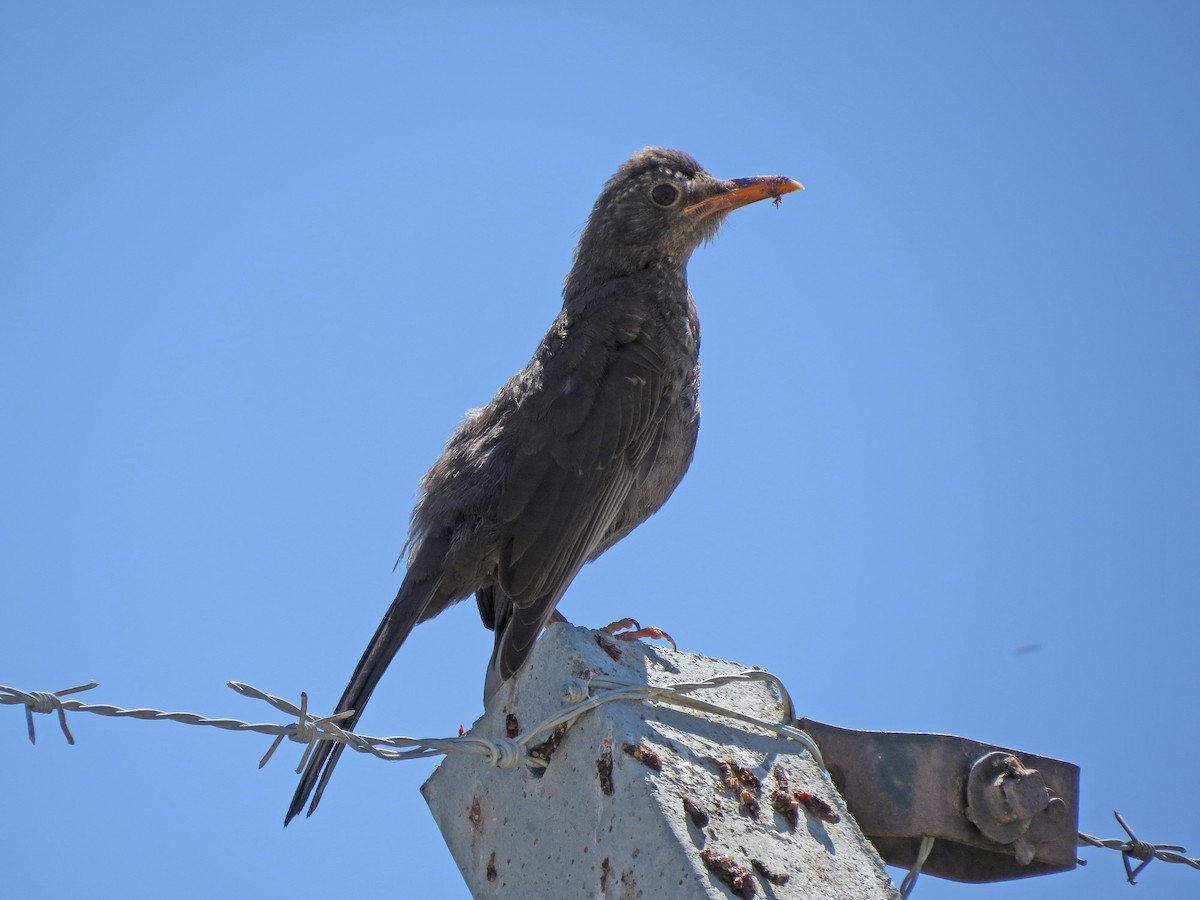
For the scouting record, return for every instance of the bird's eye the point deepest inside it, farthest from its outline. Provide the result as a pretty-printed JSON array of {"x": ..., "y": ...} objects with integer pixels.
[{"x": 664, "y": 194}]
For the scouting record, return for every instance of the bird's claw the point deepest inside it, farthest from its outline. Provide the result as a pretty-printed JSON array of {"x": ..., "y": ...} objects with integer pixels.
[{"x": 637, "y": 632}]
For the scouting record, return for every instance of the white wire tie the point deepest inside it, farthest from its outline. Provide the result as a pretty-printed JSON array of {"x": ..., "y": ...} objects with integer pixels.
[
  {"x": 504, "y": 753},
  {"x": 574, "y": 690}
]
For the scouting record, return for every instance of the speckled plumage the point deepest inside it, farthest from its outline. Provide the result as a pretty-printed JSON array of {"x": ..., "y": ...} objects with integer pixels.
[{"x": 580, "y": 446}]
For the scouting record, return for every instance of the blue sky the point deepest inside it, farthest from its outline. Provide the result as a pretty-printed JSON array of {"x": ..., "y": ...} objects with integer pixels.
[{"x": 257, "y": 260}]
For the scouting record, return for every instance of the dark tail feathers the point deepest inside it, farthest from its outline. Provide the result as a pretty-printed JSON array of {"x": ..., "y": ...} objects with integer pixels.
[{"x": 406, "y": 611}]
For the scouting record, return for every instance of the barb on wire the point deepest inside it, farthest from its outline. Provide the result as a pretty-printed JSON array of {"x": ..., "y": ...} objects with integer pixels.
[
  {"x": 1141, "y": 851},
  {"x": 46, "y": 702}
]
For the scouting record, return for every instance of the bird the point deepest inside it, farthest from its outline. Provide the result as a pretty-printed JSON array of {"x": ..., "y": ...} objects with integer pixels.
[{"x": 580, "y": 446}]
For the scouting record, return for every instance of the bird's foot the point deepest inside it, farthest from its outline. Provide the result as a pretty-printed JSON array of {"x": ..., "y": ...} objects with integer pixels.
[{"x": 638, "y": 632}]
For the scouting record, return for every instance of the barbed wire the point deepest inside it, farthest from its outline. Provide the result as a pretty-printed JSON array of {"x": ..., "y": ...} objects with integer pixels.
[
  {"x": 580, "y": 696},
  {"x": 1140, "y": 850},
  {"x": 1130, "y": 849}
]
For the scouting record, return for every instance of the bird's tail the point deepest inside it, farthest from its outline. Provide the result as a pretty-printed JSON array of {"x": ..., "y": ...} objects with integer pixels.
[
  {"x": 406, "y": 611},
  {"x": 517, "y": 627}
]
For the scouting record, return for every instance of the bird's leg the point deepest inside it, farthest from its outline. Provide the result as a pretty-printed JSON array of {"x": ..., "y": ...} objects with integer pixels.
[
  {"x": 556, "y": 617},
  {"x": 638, "y": 632}
]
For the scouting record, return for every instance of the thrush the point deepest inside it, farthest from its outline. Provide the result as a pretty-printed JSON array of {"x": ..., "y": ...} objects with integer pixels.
[{"x": 580, "y": 446}]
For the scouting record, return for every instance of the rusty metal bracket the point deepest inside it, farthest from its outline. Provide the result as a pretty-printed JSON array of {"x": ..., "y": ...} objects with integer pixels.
[{"x": 996, "y": 814}]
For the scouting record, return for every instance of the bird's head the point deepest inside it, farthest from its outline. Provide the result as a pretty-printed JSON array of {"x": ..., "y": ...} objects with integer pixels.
[{"x": 659, "y": 207}]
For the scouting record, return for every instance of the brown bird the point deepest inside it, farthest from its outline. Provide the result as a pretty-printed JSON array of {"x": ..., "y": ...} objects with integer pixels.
[{"x": 581, "y": 445}]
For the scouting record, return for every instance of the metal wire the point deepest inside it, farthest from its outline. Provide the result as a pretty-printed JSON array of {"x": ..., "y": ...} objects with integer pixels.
[
  {"x": 580, "y": 697},
  {"x": 310, "y": 729},
  {"x": 910, "y": 880},
  {"x": 1133, "y": 849}
]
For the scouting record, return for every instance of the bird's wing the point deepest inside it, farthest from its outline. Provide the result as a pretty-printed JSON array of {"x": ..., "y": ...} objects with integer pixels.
[{"x": 595, "y": 438}]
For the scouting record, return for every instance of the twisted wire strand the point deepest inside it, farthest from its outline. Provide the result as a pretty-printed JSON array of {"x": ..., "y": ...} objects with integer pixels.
[
  {"x": 1133, "y": 849},
  {"x": 580, "y": 697},
  {"x": 309, "y": 729}
]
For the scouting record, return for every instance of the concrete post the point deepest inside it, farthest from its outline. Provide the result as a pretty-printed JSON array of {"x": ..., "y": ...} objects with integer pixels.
[{"x": 645, "y": 800}]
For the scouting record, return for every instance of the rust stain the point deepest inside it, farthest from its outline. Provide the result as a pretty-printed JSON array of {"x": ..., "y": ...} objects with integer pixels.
[
  {"x": 776, "y": 878},
  {"x": 604, "y": 768},
  {"x": 644, "y": 755},
  {"x": 546, "y": 748},
  {"x": 739, "y": 878},
  {"x": 697, "y": 813},
  {"x": 817, "y": 808},
  {"x": 609, "y": 647}
]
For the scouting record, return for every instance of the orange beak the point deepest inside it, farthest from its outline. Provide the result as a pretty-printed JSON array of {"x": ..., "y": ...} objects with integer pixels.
[{"x": 742, "y": 191}]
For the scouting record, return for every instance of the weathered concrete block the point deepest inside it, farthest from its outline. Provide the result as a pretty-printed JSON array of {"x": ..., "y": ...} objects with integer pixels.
[{"x": 642, "y": 799}]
